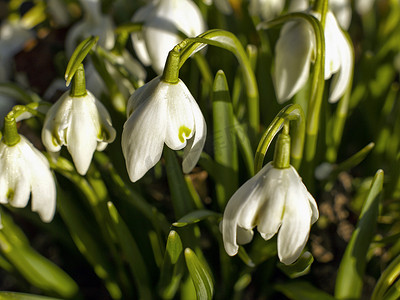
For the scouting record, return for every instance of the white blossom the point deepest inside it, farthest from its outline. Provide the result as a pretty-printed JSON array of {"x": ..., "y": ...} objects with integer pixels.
[
  {"x": 277, "y": 202},
  {"x": 266, "y": 9},
  {"x": 163, "y": 21},
  {"x": 296, "y": 49},
  {"x": 82, "y": 124},
  {"x": 158, "y": 113},
  {"x": 24, "y": 171}
]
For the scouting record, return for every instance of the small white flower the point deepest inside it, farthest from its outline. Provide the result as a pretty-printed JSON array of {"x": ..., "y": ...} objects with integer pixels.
[
  {"x": 94, "y": 23},
  {"x": 266, "y": 9},
  {"x": 159, "y": 113},
  {"x": 276, "y": 201},
  {"x": 162, "y": 21},
  {"x": 342, "y": 11},
  {"x": 24, "y": 171},
  {"x": 295, "y": 50},
  {"x": 83, "y": 124}
]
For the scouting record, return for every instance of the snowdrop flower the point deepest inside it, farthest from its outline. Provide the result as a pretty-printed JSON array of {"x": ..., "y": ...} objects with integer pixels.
[
  {"x": 82, "y": 124},
  {"x": 23, "y": 171},
  {"x": 158, "y": 113},
  {"x": 277, "y": 202},
  {"x": 162, "y": 22},
  {"x": 267, "y": 9},
  {"x": 295, "y": 50},
  {"x": 94, "y": 23}
]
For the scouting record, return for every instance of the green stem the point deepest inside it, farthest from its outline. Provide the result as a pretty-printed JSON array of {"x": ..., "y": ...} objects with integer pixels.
[
  {"x": 171, "y": 69},
  {"x": 227, "y": 40},
  {"x": 11, "y": 136},
  {"x": 291, "y": 112},
  {"x": 321, "y": 7},
  {"x": 282, "y": 149},
  {"x": 78, "y": 88}
]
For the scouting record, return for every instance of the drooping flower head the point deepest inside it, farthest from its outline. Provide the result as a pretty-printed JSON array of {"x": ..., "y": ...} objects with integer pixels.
[
  {"x": 160, "y": 112},
  {"x": 275, "y": 201},
  {"x": 24, "y": 174},
  {"x": 80, "y": 122},
  {"x": 296, "y": 49},
  {"x": 163, "y": 20}
]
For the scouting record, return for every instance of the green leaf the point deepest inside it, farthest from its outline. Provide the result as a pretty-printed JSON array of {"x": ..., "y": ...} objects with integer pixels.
[
  {"x": 35, "y": 268},
  {"x": 21, "y": 296},
  {"x": 387, "y": 278},
  {"x": 201, "y": 278},
  {"x": 182, "y": 200},
  {"x": 78, "y": 56},
  {"x": 225, "y": 148},
  {"x": 349, "y": 281},
  {"x": 302, "y": 290},
  {"x": 172, "y": 267},
  {"x": 131, "y": 252},
  {"x": 194, "y": 217},
  {"x": 299, "y": 268}
]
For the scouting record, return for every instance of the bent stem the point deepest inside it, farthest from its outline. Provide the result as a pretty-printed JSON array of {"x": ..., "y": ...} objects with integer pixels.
[
  {"x": 226, "y": 40},
  {"x": 292, "y": 112}
]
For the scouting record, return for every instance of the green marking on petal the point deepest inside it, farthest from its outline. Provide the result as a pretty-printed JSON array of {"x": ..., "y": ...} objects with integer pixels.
[
  {"x": 183, "y": 130},
  {"x": 10, "y": 194}
]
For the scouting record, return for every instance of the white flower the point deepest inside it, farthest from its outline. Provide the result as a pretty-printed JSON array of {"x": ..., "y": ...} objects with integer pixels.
[
  {"x": 23, "y": 171},
  {"x": 295, "y": 50},
  {"x": 276, "y": 201},
  {"x": 162, "y": 21},
  {"x": 267, "y": 9},
  {"x": 83, "y": 124},
  {"x": 223, "y": 6},
  {"x": 364, "y": 6},
  {"x": 94, "y": 23},
  {"x": 159, "y": 113}
]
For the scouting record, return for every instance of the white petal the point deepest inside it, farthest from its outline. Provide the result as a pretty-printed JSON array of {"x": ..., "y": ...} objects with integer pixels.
[
  {"x": 271, "y": 213},
  {"x": 144, "y": 134},
  {"x": 293, "y": 54},
  {"x": 332, "y": 57},
  {"x": 56, "y": 121},
  {"x": 341, "y": 80},
  {"x": 244, "y": 236},
  {"x": 195, "y": 145},
  {"x": 142, "y": 94},
  {"x": 82, "y": 132},
  {"x": 107, "y": 132},
  {"x": 138, "y": 42},
  {"x": 180, "y": 116},
  {"x": 293, "y": 234},
  {"x": 246, "y": 197},
  {"x": 314, "y": 208}
]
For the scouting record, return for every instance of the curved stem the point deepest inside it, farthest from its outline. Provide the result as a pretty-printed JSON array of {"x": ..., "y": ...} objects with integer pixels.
[
  {"x": 226, "y": 40},
  {"x": 292, "y": 112}
]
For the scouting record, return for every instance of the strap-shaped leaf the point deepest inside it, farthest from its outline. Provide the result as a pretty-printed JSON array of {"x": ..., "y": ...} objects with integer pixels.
[
  {"x": 194, "y": 217},
  {"x": 201, "y": 278},
  {"x": 22, "y": 296},
  {"x": 349, "y": 281},
  {"x": 172, "y": 267},
  {"x": 302, "y": 290},
  {"x": 300, "y": 267}
]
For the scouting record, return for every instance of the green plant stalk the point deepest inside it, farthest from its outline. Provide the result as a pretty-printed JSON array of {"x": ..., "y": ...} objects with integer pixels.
[
  {"x": 227, "y": 40},
  {"x": 349, "y": 280},
  {"x": 291, "y": 112}
]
